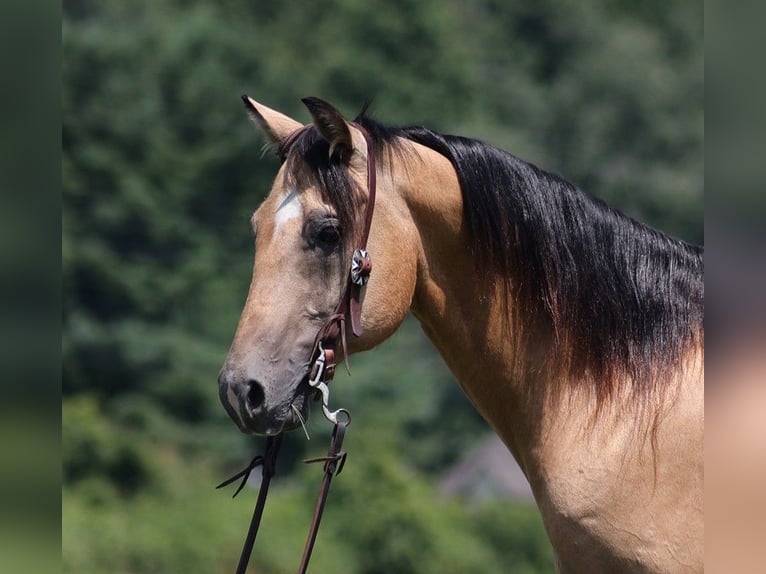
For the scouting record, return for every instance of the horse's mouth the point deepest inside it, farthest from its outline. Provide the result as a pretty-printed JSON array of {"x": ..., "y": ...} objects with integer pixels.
[
  {"x": 298, "y": 412},
  {"x": 271, "y": 420}
]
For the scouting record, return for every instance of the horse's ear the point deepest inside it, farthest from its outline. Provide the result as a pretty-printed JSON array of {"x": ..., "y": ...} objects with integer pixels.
[
  {"x": 332, "y": 125},
  {"x": 275, "y": 125}
]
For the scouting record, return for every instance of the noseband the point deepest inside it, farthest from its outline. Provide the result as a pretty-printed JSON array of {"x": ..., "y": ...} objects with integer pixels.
[{"x": 322, "y": 361}]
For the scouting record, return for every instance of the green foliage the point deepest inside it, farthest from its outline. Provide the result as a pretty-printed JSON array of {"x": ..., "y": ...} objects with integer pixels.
[
  {"x": 184, "y": 526},
  {"x": 515, "y": 534},
  {"x": 382, "y": 517},
  {"x": 93, "y": 449},
  {"x": 160, "y": 173}
]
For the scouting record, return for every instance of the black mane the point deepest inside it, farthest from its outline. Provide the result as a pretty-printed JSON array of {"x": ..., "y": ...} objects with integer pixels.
[{"x": 617, "y": 296}]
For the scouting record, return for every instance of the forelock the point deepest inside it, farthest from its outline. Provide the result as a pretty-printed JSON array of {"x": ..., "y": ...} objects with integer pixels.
[{"x": 306, "y": 153}]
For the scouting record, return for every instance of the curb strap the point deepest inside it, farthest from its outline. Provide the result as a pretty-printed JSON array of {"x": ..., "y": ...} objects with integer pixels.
[{"x": 333, "y": 464}]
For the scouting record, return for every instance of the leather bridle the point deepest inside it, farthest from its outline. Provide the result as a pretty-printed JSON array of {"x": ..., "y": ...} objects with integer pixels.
[
  {"x": 350, "y": 303},
  {"x": 322, "y": 361}
]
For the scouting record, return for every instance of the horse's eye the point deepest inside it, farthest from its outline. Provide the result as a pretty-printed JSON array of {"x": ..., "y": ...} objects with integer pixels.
[
  {"x": 329, "y": 234},
  {"x": 322, "y": 231}
]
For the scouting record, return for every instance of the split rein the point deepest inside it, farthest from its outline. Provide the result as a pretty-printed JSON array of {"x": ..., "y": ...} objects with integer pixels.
[
  {"x": 334, "y": 462},
  {"x": 322, "y": 372}
]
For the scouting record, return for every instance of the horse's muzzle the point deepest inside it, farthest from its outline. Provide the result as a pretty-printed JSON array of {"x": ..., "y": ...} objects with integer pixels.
[{"x": 248, "y": 404}]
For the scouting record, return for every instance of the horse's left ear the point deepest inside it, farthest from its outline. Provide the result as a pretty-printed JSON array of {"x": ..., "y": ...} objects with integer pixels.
[{"x": 332, "y": 125}]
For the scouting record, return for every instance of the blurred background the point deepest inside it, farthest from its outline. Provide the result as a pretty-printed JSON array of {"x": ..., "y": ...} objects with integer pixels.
[{"x": 161, "y": 170}]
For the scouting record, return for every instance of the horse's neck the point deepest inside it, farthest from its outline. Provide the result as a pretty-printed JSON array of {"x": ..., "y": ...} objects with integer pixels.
[
  {"x": 465, "y": 317},
  {"x": 599, "y": 487},
  {"x": 474, "y": 329}
]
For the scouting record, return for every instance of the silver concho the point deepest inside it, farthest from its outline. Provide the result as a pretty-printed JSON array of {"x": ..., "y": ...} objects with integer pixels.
[{"x": 361, "y": 265}]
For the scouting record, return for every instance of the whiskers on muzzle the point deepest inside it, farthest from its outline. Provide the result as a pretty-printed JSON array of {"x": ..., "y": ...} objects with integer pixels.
[{"x": 301, "y": 419}]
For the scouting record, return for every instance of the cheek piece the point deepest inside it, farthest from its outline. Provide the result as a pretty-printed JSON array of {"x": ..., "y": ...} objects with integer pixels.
[{"x": 322, "y": 371}]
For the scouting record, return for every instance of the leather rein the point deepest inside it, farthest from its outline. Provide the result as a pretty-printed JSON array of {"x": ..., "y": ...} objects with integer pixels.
[{"x": 322, "y": 371}]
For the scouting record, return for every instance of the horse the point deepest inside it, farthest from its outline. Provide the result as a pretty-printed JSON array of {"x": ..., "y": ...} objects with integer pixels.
[{"x": 575, "y": 330}]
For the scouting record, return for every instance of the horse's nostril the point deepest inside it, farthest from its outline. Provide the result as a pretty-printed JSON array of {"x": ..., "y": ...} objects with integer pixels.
[{"x": 255, "y": 395}]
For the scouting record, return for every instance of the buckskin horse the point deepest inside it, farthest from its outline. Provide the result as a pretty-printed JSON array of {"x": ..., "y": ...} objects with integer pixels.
[{"x": 576, "y": 331}]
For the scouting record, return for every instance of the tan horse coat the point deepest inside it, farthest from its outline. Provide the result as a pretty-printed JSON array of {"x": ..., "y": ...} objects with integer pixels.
[{"x": 620, "y": 487}]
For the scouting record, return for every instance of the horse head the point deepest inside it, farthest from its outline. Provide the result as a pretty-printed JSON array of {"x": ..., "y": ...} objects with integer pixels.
[{"x": 305, "y": 233}]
